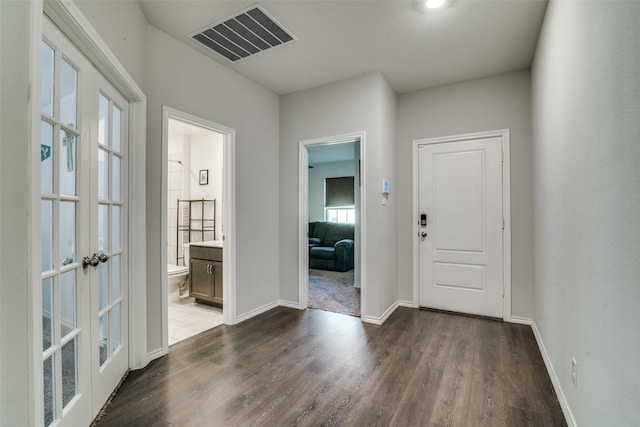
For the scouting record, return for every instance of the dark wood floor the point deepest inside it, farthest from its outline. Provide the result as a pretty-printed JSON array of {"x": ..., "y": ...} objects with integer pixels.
[{"x": 288, "y": 367}]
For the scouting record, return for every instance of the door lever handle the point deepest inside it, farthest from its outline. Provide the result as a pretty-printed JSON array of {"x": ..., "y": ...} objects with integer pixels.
[
  {"x": 86, "y": 261},
  {"x": 92, "y": 261}
]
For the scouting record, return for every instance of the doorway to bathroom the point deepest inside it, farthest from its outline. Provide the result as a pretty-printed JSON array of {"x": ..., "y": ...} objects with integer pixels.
[{"x": 196, "y": 225}]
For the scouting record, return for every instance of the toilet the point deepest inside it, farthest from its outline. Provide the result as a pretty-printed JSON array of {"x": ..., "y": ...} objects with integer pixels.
[{"x": 177, "y": 276}]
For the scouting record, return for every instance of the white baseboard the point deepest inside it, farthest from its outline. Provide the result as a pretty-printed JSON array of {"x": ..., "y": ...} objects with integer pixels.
[
  {"x": 380, "y": 320},
  {"x": 409, "y": 304},
  {"x": 519, "y": 320},
  {"x": 155, "y": 355},
  {"x": 255, "y": 312},
  {"x": 566, "y": 410},
  {"x": 290, "y": 304}
]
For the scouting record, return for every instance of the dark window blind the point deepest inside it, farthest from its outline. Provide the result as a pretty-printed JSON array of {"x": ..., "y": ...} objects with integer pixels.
[{"x": 339, "y": 192}]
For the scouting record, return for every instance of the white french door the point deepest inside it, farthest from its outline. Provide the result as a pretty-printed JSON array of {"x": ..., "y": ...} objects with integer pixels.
[
  {"x": 109, "y": 321},
  {"x": 83, "y": 131},
  {"x": 460, "y": 202}
]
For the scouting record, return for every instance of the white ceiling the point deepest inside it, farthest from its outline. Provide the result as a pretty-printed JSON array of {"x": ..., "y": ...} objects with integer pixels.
[
  {"x": 340, "y": 39},
  {"x": 331, "y": 153},
  {"x": 178, "y": 128}
]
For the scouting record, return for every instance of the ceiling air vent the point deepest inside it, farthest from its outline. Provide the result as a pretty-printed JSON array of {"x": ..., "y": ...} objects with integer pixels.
[{"x": 244, "y": 34}]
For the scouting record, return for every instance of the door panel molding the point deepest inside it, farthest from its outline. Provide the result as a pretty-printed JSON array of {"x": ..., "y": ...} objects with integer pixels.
[{"x": 503, "y": 134}]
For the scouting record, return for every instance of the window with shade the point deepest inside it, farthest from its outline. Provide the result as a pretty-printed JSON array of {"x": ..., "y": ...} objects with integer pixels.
[{"x": 339, "y": 205}]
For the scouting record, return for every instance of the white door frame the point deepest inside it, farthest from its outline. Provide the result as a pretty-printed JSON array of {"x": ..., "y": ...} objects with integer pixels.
[
  {"x": 77, "y": 28},
  {"x": 506, "y": 210},
  {"x": 303, "y": 217},
  {"x": 228, "y": 217}
]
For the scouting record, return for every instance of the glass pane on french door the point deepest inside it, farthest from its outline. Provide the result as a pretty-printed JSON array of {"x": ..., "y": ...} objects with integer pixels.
[
  {"x": 60, "y": 144},
  {"x": 109, "y": 232}
]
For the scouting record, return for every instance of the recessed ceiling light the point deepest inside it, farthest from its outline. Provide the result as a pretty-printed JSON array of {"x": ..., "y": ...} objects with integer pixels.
[{"x": 434, "y": 4}]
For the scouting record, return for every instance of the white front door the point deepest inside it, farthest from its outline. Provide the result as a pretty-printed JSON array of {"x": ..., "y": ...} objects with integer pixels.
[
  {"x": 83, "y": 141},
  {"x": 460, "y": 195}
]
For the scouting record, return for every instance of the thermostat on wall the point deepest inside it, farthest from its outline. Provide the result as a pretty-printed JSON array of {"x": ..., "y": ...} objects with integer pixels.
[{"x": 385, "y": 186}]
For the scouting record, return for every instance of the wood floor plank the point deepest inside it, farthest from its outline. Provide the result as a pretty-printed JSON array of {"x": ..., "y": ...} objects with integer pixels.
[{"x": 306, "y": 368}]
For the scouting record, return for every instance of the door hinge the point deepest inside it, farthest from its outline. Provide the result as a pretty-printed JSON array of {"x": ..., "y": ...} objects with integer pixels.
[
  {"x": 502, "y": 153},
  {"x": 503, "y": 223}
]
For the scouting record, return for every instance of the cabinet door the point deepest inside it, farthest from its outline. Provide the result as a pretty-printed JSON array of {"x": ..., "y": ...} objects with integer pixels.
[
  {"x": 201, "y": 284},
  {"x": 217, "y": 281}
]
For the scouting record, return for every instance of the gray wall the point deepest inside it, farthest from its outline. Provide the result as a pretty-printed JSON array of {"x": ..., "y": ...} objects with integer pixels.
[
  {"x": 491, "y": 103},
  {"x": 364, "y": 103},
  {"x": 123, "y": 27},
  {"x": 181, "y": 78},
  {"x": 15, "y": 175},
  {"x": 381, "y": 237},
  {"x": 586, "y": 127}
]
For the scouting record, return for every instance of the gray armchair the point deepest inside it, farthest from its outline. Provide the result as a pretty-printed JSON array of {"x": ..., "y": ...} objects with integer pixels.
[{"x": 331, "y": 246}]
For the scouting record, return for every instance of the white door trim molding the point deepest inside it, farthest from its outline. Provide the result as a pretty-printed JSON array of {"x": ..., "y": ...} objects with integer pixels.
[
  {"x": 75, "y": 26},
  {"x": 34, "y": 245},
  {"x": 303, "y": 217},
  {"x": 228, "y": 217},
  {"x": 506, "y": 210}
]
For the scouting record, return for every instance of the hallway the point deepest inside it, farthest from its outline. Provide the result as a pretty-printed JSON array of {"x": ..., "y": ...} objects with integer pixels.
[{"x": 313, "y": 367}]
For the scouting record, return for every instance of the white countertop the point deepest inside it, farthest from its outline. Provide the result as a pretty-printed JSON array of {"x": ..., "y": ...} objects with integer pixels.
[{"x": 208, "y": 244}]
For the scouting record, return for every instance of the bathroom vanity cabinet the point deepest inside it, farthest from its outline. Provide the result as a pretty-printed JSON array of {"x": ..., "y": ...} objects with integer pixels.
[{"x": 205, "y": 272}]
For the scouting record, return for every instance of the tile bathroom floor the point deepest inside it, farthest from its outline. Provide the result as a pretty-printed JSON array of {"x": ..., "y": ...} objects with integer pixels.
[{"x": 188, "y": 318}]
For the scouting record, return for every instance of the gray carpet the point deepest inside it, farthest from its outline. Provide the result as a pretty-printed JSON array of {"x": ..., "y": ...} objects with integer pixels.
[{"x": 333, "y": 291}]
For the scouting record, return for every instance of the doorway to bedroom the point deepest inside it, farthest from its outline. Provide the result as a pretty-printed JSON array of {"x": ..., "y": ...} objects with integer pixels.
[{"x": 333, "y": 225}]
